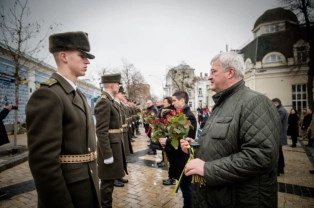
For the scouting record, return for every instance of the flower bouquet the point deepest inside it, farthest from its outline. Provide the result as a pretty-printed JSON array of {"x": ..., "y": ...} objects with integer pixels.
[
  {"x": 148, "y": 116},
  {"x": 178, "y": 126}
]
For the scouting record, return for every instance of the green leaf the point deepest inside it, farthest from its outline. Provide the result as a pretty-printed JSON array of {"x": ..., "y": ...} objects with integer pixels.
[
  {"x": 177, "y": 131},
  {"x": 182, "y": 121},
  {"x": 175, "y": 143}
]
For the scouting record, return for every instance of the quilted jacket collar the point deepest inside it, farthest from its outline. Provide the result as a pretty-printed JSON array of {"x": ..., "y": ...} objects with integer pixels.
[{"x": 221, "y": 96}]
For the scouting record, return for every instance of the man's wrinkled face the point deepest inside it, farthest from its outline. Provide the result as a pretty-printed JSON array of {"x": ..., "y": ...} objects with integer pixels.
[{"x": 218, "y": 78}]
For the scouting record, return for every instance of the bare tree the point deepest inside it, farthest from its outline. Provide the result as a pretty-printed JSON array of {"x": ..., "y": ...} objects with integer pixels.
[
  {"x": 133, "y": 81},
  {"x": 304, "y": 9},
  {"x": 17, "y": 36}
]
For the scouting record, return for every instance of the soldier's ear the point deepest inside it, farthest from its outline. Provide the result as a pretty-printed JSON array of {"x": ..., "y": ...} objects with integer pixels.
[{"x": 63, "y": 56}]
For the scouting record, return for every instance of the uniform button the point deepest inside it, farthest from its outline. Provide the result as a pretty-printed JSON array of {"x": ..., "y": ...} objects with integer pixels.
[
  {"x": 91, "y": 171},
  {"x": 89, "y": 149}
]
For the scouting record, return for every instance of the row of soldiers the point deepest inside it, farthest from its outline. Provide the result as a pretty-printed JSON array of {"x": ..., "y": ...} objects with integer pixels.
[
  {"x": 65, "y": 158},
  {"x": 115, "y": 126}
]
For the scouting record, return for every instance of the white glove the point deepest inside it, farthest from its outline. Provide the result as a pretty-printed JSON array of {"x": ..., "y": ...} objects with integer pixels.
[{"x": 108, "y": 161}]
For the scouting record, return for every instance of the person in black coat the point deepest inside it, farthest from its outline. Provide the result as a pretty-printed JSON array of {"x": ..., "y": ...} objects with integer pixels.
[
  {"x": 3, "y": 133},
  {"x": 293, "y": 127},
  {"x": 177, "y": 158}
]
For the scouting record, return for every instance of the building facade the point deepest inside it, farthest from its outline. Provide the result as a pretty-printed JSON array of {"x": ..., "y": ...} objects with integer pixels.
[
  {"x": 201, "y": 89},
  {"x": 276, "y": 59}
]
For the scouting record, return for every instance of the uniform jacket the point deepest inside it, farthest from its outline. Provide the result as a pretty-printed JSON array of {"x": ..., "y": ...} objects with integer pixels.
[
  {"x": 3, "y": 133},
  {"x": 239, "y": 144},
  {"x": 59, "y": 122},
  {"x": 126, "y": 144},
  {"x": 108, "y": 116}
]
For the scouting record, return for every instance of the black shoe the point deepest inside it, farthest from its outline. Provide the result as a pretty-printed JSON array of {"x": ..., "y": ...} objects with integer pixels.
[
  {"x": 308, "y": 145},
  {"x": 312, "y": 171},
  {"x": 122, "y": 180},
  {"x": 169, "y": 181},
  {"x": 134, "y": 136},
  {"x": 293, "y": 145},
  {"x": 3, "y": 193},
  {"x": 161, "y": 164},
  {"x": 152, "y": 152},
  {"x": 117, "y": 183},
  {"x": 132, "y": 140},
  {"x": 138, "y": 133}
]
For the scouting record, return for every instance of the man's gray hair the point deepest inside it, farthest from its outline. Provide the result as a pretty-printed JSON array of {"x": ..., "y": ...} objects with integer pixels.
[{"x": 231, "y": 60}]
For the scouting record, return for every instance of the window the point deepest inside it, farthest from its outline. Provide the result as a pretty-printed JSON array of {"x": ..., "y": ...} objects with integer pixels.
[
  {"x": 273, "y": 58},
  {"x": 199, "y": 91},
  {"x": 189, "y": 92},
  {"x": 299, "y": 97},
  {"x": 190, "y": 104},
  {"x": 258, "y": 33},
  {"x": 301, "y": 55},
  {"x": 200, "y": 103},
  {"x": 272, "y": 28}
]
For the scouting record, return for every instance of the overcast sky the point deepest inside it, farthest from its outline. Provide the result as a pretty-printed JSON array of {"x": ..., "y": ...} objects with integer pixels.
[{"x": 155, "y": 34}]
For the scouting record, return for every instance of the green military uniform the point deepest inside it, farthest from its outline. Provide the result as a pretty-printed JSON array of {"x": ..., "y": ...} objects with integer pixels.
[
  {"x": 110, "y": 143},
  {"x": 125, "y": 130},
  {"x": 61, "y": 135},
  {"x": 59, "y": 122}
]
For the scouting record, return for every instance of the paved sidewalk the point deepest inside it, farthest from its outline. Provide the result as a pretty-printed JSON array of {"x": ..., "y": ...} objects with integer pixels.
[
  {"x": 9, "y": 160},
  {"x": 145, "y": 189}
]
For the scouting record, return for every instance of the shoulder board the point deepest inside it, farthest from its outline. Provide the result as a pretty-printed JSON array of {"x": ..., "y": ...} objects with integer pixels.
[
  {"x": 49, "y": 82},
  {"x": 103, "y": 96}
]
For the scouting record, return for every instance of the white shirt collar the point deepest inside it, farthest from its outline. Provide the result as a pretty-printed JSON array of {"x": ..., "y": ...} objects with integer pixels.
[{"x": 69, "y": 81}]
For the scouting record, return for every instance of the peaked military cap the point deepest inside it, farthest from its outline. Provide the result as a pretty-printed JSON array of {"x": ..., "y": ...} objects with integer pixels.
[
  {"x": 70, "y": 41},
  {"x": 111, "y": 78},
  {"x": 121, "y": 89}
]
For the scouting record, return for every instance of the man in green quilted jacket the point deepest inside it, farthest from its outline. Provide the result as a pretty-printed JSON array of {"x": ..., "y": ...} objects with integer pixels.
[{"x": 238, "y": 147}]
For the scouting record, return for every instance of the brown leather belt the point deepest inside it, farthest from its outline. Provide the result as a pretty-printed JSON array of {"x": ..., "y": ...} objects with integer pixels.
[
  {"x": 115, "y": 131},
  {"x": 78, "y": 158}
]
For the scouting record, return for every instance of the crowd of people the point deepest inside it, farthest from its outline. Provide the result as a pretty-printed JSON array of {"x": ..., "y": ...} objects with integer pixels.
[{"x": 239, "y": 152}]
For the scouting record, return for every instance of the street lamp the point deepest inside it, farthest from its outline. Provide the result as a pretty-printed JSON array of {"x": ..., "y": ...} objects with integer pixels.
[{"x": 162, "y": 84}]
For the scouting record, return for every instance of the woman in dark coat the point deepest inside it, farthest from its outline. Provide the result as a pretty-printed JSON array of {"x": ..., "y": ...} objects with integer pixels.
[{"x": 293, "y": 127}]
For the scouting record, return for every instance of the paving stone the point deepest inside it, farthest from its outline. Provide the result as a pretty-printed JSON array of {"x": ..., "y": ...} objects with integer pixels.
[{"x": 145, "y": 189}]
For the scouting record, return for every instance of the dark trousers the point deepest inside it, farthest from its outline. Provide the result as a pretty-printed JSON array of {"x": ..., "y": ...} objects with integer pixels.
[
  {"x": 106, "y": 190},
  {"x": 294, "y": 139},
  {"x": 281, "y": 160},
  {"x": 83, "y": 193},
  {"x": 310, "y": 142},
  {"x": 186, "y": 189}
]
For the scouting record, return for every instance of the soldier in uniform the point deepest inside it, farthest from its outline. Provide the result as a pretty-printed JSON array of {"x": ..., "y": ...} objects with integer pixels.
[
  {"x": 61, "y": 132},
  {"x": 111, "y": 158}
]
